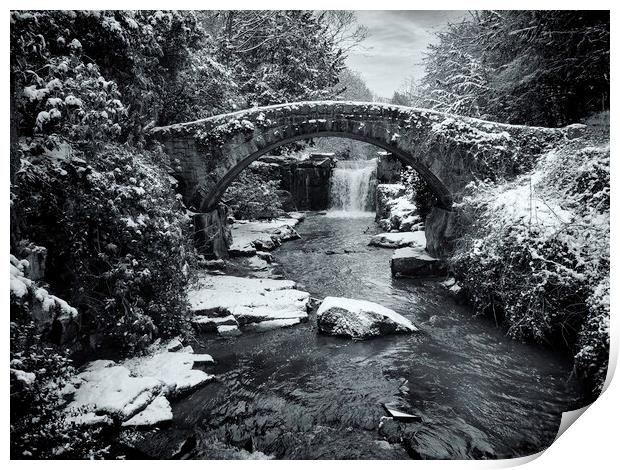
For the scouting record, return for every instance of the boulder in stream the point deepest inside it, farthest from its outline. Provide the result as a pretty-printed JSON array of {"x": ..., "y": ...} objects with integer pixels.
[
  {"x": 359, "y": 319},
  {"x": 414, "y": 261}
]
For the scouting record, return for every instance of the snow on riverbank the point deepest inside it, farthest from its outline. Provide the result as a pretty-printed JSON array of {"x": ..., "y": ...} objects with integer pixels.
[
  {"x": 399, "y": 239},
  {"x": 134, "y": 392},
  {"x": 230, "y": 301},
  {"x": 250, "y": 236}
]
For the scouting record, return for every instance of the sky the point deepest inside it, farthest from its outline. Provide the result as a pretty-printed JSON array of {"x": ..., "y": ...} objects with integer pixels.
[{"x": 394, "y": 48}]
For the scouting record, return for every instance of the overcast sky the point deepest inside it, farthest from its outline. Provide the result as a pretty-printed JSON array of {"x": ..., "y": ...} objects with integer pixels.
[{"x": 395, "y": 44}]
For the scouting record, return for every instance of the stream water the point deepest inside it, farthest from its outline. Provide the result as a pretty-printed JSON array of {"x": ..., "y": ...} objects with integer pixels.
[{"x": 294, "y": 393}]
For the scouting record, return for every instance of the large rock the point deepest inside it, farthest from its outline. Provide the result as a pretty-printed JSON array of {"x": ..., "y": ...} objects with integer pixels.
[
  {"x": 309, "y": 182},
  {"x": 157, "y": 412},
  {"x": 55, "y": 319},
  {"x": 415, "y": 261},
  {"x": 359, "y": 319},
  {"x": 173, "y": 369},
  {"x": 105, "y": 387},
  {"x": 399, "y": 239}
]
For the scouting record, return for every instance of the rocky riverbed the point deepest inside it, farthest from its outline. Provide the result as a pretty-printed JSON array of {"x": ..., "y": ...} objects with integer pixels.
[{"x": 280, "y": 371}]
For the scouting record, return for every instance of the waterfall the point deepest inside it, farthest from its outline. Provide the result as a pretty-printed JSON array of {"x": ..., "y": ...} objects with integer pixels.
[{"x": 352, "y": 186}]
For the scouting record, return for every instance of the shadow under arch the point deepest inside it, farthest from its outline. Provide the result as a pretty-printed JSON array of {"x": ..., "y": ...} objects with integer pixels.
[{"x": 440, "y": 190}]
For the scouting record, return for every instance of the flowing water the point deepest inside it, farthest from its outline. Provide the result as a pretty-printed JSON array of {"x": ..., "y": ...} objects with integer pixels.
[
  {"x": 351, "y": 186},
  {"x": 294, "y": 393}
]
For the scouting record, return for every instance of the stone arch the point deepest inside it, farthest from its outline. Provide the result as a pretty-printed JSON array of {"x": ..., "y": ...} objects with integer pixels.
[
  {"x": 448, "y": 151},
  {"x": 439, "y": 188}
]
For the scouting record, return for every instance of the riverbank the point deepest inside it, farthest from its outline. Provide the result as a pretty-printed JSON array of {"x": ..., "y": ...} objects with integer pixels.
[
  {"x": 534, "y": 253},
  {"x": 295, "y": 393}
]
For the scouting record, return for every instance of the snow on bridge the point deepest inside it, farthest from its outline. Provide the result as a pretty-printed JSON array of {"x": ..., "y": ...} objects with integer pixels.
[{"x": 448, "y": 151}]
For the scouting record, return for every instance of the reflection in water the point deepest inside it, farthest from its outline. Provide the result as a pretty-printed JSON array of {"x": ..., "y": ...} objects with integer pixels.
[{"x": 294, "y": 393}]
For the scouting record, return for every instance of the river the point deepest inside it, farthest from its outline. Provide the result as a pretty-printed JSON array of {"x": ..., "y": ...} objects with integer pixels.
[{"x": 294, "y": 393}]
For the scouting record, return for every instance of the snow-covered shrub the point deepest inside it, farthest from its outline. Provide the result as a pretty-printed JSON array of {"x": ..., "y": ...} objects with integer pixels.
[
  {"x": 253, "y": 196},
  {"x": 136, "y": 53},
  {"x": 39, "y": 371},
  {"x": 116, "y": 236},
  {"x": 73, "y": 99},
  {"x": 535, "y": 253}
]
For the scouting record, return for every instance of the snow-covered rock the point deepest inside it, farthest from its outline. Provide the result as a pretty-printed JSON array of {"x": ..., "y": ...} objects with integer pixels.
[
  {"x": 158, "y": 411},
  {"x": 399, "y": 239},
  {"x": 109, "y": 388},
  {"x": 359, "y": 319},
  {"x": 207, "y": 323},
  {"x": 53, "y": 316},
  {"x": 134, "y": 391},
  {"x": 173, "y": 369},
  {"x": 268, "y": 325},
  {"x": 222, "y": 303},
  {"x": 228, "y": 330},
  {"x": 395, "y": 210},
  {"x": 250, "y": 236},
  {"x": 414, "y": 261}
]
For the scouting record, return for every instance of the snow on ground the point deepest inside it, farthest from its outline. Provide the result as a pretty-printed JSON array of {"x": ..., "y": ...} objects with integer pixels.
[
  {"x": 359, "y": 319},
  {"x": 135, "y": 391},
  {"x": 158, "y": 411},
  {"x": 215, "y": 299},
  {"x": 399, "y": 239},
  {"x": 249, "y": 236}
]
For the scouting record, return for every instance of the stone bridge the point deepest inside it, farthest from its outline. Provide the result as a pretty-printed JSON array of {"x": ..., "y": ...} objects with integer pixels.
[{"x": 448, "y": 151}]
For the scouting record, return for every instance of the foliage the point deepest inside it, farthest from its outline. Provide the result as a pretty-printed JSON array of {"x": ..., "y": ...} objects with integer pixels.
[
  {"x": 535, "y": 253},
  {"x": 419, "y": 191},
  {"x": 277, "y": 56},
  {"x": 526, "y": 67},
  {"x": 116, "y": 235},
  {"x": 252, "y": 196},
  {"x": 352, "y": 87},
  {"x": 39, "y": 372},
  {"x": 99, "y": 54}
]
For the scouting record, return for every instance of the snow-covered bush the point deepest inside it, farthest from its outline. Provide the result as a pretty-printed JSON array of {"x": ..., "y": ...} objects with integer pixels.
[
  {"x": 116, "y": 236},
  {"x": 73, "y": 99},
  {"x": 39, "y": 371},
  {"x": 535, "y": 253},
  {"x": 253, "y": 196},
  {"x": 89, "y": 57}
]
